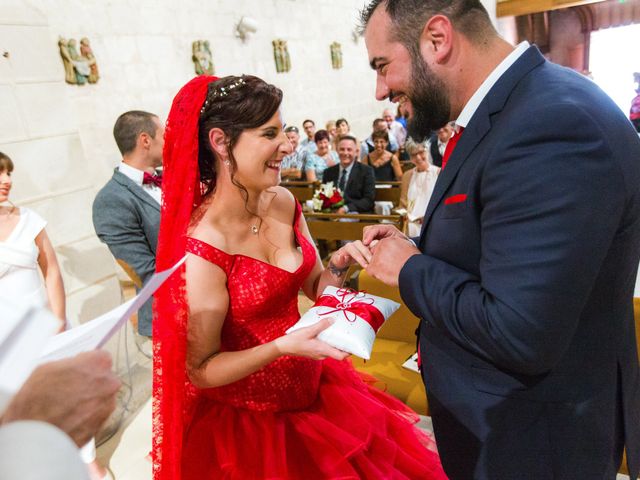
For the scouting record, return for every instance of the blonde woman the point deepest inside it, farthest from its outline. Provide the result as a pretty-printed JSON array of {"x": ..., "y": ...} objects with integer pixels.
[{"x": 417, "y": 186}]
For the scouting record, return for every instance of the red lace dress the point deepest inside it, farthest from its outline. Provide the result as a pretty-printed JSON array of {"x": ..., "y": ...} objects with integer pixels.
[{"x": 296, "y": 418}]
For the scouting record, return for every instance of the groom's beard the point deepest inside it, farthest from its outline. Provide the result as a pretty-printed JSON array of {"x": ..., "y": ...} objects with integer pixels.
[{"x": 429, "y": 100}]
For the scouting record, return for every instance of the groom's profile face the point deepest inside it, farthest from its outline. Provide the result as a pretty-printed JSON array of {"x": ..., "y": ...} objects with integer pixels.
[{"x": 403, "y": 76}]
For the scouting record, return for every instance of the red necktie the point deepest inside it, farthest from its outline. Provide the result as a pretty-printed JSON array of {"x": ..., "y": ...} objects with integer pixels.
[
  {"x": 149, "y": 179},
  {"x": 451, "y": 144}
]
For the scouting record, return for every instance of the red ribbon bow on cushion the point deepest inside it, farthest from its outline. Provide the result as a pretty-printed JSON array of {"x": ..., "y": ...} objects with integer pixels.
[
  {"x": 149, "y": 179},
  {"x": 352, "y": 304}
]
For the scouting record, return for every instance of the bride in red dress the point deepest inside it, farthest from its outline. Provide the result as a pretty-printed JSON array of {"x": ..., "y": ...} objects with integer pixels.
[{"x": 234, "y": 397}]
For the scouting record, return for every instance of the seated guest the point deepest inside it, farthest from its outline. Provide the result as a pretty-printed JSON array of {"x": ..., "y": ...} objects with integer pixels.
[
  {"x": 309, "y": 127},
  {"x": 355, "y": 180},
  {"x": 385, "y": 164},
  {"x": 323, "y": 158},
  {"x": 402, "y": 115},
  {"x": 126, "y": 211},
  {"x": 394, "y": 127},
  {"x": 367, "y": 146},
  {"x": 417, "y": 186},
  {"x": 342, "y": 128},
  {"x": 332, "y": 129},
  {"x": 438, "y": 142},
  {"x": 293, "y": 164}
]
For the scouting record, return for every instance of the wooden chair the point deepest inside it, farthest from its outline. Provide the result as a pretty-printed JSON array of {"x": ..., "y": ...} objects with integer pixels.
[
  {"x": 395, "y": 343},
  {"x": 406, "y": 165},
  {"x": 636, "y": 314},
  {"x": 390, "y": 192},
  {"x": 302, "y": 190},
  {"x": 129, "y": 287},
  {"x": 326, "y": 226}
]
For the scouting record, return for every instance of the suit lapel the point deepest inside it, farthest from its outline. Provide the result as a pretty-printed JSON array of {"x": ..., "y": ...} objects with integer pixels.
[
  {"x": 135, "y": 189},
  {"x": 479, "y": 125},
  {"x": 352, "y": 174}
]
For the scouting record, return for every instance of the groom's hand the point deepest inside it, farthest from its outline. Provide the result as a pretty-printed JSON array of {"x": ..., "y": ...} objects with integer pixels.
[
  {"x": 389, "y": 256},
  {"x": 377, "y": 232}
]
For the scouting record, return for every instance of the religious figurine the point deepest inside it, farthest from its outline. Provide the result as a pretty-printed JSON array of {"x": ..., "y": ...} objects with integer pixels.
[
  {"x": 281, "y": 56},
  {"x": 336, "y": 55},
  {"x": 80, "y": 65},
  {"x": 69, "y": 70},
  {"x": 286, "y": 56},
  {"x": 87, "y": 54},
  {"x": 202, "y": 58},
  {"x": 277, "y": 55}
]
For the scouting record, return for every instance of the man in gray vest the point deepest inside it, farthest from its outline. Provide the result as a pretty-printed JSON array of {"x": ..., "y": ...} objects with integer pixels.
[{"x": 126, "y": 212}]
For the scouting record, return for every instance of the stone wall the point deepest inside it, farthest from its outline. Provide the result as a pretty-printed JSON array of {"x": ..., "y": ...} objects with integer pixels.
[{"x": 60, "y": 135}]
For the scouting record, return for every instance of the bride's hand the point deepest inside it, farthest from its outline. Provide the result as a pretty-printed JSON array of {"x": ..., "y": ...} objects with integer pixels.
[
  {"x": 304, "y": 343},
  {"x": 352, "y": 252}
]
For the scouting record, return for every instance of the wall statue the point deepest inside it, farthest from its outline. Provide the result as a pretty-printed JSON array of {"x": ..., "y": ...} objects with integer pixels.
[
  {"x": 80, "y": 67},
  {"x": 281, "y": 56},
  {"x": 202, "y": 58},
  {"x": 336, "y": 55}
]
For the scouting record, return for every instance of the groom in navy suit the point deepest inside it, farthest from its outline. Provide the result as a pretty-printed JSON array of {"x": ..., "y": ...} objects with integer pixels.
[{"x": 524, "y": 272}]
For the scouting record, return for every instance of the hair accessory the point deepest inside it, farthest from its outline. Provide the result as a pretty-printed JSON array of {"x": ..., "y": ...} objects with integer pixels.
[{"x": 221, "y": 92}]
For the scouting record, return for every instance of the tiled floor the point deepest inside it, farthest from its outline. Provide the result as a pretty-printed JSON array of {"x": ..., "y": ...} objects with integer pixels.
[{"x": 127, "y": 452}]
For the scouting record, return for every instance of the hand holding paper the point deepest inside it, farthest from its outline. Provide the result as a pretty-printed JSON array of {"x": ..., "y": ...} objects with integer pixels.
[{"x": 26, "y": 334}]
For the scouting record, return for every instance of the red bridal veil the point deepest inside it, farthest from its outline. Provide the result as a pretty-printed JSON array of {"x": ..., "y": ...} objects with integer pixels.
[{"x": 173, "y": 395}]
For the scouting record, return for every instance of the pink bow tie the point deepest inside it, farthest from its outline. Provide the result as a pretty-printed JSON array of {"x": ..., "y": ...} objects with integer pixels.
[{"x": 149, "y": 179}]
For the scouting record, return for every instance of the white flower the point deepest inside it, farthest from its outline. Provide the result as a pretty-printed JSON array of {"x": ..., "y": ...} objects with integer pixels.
[{"x": 328, "y": 189}]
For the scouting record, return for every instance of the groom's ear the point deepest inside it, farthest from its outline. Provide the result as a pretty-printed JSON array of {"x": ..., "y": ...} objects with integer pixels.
[{"x": 218, "y": 142}]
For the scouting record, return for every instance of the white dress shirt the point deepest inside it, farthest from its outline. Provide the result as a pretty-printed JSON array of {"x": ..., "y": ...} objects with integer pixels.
[
  {"x": 137, "y": 176},
  {"x": 475, "y": 100}
]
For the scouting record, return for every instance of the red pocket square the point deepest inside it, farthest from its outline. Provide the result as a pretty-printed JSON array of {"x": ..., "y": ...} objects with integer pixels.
[{"x": 461, "y": 197}]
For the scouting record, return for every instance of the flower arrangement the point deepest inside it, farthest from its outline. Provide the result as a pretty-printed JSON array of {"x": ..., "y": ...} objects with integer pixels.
[{"x": 327, "y": 198}]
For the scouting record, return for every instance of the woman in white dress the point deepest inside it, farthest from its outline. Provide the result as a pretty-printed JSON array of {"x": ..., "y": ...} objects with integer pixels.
[
  {"x": 29, "y": 270},
  {"x": 417, "y": 186},
  {"x": 25, "y": 251}
]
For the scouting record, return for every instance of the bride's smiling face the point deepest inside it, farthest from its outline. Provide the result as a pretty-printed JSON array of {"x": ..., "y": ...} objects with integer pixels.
[{"x": 259, "y": 153}]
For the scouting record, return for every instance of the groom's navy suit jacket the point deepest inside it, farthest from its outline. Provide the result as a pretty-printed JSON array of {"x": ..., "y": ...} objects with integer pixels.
[{"x": 530, "y": 247}]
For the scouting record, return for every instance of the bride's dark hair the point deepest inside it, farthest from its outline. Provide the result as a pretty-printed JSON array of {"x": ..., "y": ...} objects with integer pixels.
[{"x": 233, "y": 104}]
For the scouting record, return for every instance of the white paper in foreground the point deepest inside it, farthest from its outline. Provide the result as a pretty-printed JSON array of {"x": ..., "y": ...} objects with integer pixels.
[
  {"x": 95, "y": 333},
  {"x": 24, "y": 331}
]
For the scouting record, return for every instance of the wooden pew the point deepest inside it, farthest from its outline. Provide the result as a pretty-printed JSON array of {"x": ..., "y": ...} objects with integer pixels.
[
  {"x": 390, "y": 193},
  {"x": 302, "y": 190},
  {"x": 326, "y": 226}
]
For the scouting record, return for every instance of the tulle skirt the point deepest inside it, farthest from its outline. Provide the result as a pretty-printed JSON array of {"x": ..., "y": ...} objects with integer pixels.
[{"x": 350, "y": 431}]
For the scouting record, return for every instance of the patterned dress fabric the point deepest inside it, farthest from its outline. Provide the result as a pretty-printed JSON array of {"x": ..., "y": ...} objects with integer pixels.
[{"x": 296, "y": 418}]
